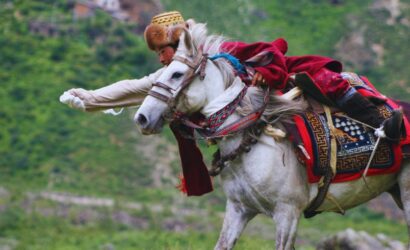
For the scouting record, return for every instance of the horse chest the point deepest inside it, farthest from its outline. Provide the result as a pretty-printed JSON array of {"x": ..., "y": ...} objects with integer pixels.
[
  {"x": 267, "y": 174},
  {"x": 253, "y": 190}
]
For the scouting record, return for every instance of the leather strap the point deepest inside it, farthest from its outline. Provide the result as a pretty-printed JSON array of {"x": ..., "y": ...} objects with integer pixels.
[
  {"x": 163, "y": 86},
  {"x": 333, "y": 145},
  {"x": 159, "y": 96},
  {"x": 198, "y": 63},
  {"x": 323, "y": 186}
]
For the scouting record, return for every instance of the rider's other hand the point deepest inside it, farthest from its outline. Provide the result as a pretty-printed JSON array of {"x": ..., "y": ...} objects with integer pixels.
[{"x": 258, "y": 79}]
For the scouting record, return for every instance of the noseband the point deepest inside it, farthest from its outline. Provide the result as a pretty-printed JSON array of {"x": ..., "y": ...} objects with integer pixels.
[{"x": 197, "y": 68}]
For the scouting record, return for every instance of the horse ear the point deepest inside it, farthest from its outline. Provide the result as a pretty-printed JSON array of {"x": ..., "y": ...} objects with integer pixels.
[{"x": 186, "y": 40}]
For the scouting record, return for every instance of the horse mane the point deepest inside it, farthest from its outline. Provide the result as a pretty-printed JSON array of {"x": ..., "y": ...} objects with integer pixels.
[{"x": 278, "y": 108}]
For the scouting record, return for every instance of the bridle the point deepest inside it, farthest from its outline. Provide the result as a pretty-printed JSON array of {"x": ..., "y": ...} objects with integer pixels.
[
  {"x": 197, "y": 68},
  {"x": 210, "y": 128}
]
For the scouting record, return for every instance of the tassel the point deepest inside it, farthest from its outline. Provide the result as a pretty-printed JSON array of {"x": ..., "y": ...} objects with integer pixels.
[{"x": 182, "y": 185}]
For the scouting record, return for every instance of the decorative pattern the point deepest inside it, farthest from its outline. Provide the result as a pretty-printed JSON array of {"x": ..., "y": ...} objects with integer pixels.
[
  {"x": 355, "y": 143},
  {"x": 219, "y": 117},
  {"x": 168, "y": 18}
]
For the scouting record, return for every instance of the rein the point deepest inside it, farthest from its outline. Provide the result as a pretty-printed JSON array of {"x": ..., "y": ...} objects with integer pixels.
[
  {"x": 219, "y": 162},
  {"x": 214, "y": 122}
]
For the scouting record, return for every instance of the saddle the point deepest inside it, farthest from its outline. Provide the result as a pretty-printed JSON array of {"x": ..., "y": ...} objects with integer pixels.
[
  {"x": 354, "y": 145},
  {"x": 349, "y": 142}
]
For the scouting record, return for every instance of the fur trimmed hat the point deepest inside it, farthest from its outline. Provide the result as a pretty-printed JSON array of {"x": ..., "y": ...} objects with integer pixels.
[{"x": 164, "y": 30}]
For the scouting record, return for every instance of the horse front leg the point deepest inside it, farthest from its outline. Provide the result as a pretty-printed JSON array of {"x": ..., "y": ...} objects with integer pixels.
[
  {"x": 286, "y": 217},
  {"x": 236, "y": 218}
]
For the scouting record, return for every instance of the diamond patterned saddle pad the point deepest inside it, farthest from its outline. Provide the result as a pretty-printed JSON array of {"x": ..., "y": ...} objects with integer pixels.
[{"x": 355, "y": 144}]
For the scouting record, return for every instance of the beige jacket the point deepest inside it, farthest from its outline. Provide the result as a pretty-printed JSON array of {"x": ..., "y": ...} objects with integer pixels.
[{"x": 120, "y": 94}]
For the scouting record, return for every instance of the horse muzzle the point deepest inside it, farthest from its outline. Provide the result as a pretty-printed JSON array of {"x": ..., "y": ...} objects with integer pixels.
[
  {"x": 149, "y": 117},
  {"x": 147, "y": 126}
]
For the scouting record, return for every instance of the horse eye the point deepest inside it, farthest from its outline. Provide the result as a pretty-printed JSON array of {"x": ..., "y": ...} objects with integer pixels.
[{"x": 176, "y": 75}]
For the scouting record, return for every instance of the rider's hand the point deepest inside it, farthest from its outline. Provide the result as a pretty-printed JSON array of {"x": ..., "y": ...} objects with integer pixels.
[
  {"x": 258, "y": 79},
  {"x": 72, "y": 101}
]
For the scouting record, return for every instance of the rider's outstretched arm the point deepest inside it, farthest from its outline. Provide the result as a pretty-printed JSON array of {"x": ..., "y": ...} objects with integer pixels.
[{"x": 120, "y": 94}]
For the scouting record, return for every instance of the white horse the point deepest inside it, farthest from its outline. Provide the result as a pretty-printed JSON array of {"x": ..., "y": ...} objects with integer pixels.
[{"x": 268, "y": 179}]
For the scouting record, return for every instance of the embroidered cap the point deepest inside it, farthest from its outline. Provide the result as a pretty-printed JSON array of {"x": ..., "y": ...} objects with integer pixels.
[
  {"x": 168, "y": 18},
  {"x": 164, "y": 30}
]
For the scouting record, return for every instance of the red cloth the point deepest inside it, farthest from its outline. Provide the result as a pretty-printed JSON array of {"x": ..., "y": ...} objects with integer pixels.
[
  {"x": 275, "y": 73},
  {"x": 331, "y": 84},
  {"x": 312, "y": 64},
  {"x": 325, "y": 71},
  {"x": 197, "y": 179}
]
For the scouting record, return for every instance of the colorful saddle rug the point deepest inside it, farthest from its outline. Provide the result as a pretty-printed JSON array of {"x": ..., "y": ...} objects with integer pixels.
[{"x": 355, "y": 143}]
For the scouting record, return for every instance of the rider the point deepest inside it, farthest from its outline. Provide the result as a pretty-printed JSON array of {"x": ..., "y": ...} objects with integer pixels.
[
  {"x": 162, "y": 36},
  {"x": 269, "y": 65}
]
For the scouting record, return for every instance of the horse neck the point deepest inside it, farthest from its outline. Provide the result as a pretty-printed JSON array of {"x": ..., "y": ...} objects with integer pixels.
[{"x": 218, "y": 97}]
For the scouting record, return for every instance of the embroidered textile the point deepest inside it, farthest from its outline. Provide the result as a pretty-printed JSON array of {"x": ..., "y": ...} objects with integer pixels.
[{"x": 355, "y": 143}]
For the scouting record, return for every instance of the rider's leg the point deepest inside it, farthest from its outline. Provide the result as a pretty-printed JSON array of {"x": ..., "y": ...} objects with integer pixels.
[
  {"x": 360, "y": 108},
  {"x": 357, "y": 106}
]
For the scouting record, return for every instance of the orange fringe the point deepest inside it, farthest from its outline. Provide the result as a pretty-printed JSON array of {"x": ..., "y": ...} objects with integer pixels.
[{"x": 182, "y": 184}]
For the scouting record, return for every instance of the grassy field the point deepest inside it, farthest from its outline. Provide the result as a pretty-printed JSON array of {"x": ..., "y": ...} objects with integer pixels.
[
  {"x": 38, "y": 232},
  {"x": 33, "y": 220}
]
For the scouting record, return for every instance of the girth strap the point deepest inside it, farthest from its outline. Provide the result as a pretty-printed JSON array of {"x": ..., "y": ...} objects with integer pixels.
[{"x": 324, "y": 184}]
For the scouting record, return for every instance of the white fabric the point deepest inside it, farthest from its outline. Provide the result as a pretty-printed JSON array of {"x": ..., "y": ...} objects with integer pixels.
[
  {"x": 72, "y": 101},
  {"x": 379, "y": 132},
  {"x": 225, "y": 98},
  {"x": 124, "y": 93},
  {"x": 113, "y": 112}
]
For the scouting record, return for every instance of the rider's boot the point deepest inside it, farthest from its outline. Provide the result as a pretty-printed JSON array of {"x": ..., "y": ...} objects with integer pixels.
[{"x": 362, "y": 109}]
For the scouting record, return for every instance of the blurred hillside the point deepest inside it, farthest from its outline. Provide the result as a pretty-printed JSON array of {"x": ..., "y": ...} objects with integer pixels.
[{"x": 71, "y": 180}]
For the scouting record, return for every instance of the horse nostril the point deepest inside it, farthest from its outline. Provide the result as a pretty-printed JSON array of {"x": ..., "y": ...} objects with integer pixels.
[{"x": 142, "y": 120}]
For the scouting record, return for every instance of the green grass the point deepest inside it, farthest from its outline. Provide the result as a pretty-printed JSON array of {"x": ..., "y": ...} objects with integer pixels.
[
  {"x": 34, "y": 231},
  {"x": 359, "y": 219},
  {"x": 37, "y": 232}
]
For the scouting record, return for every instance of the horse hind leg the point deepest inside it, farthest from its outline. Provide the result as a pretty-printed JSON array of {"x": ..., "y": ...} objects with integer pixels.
[
  {"x": 404, "y": 184},
  {"x": 236, "y": 218},
  {"x": 286, "y": 217}
]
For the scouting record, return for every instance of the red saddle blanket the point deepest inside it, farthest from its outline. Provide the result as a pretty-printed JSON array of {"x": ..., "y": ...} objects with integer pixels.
[{"x": 355, "y": 144}]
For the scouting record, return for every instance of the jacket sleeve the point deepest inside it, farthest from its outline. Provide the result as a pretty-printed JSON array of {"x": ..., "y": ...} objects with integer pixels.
[
  {"x": 275, "y": 72},
  {"x": 120, "y": 94}
]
